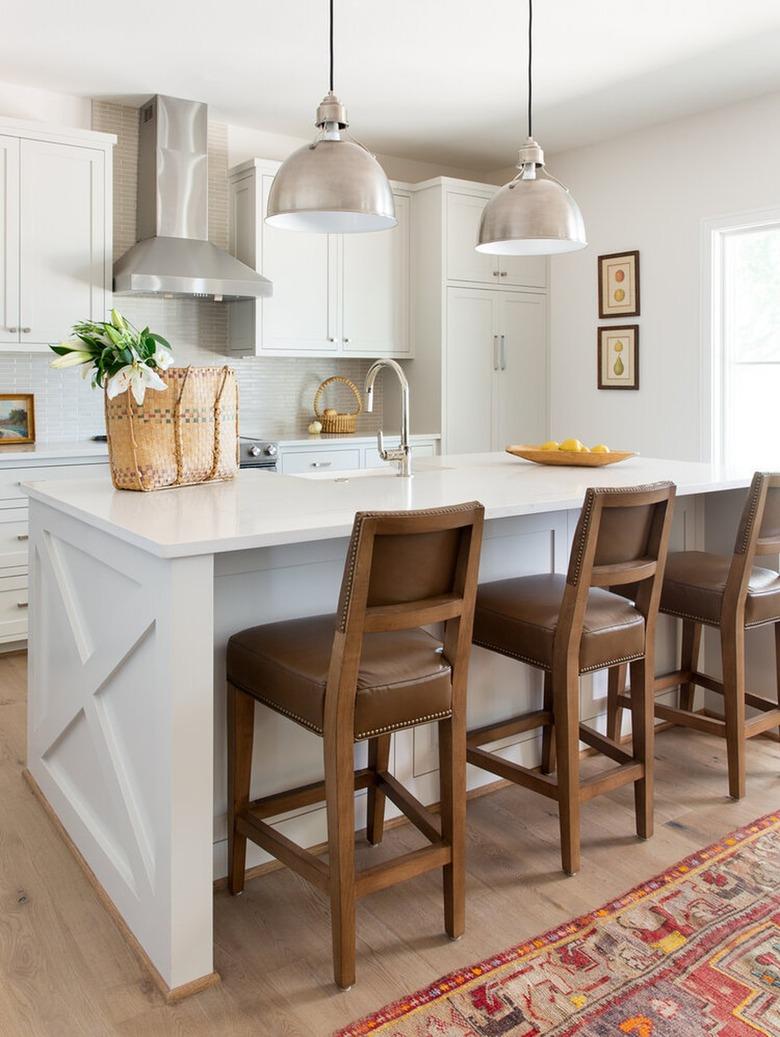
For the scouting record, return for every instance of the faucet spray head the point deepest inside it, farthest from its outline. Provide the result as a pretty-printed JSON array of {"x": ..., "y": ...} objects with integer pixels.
[{"x": 370, "y": 398}]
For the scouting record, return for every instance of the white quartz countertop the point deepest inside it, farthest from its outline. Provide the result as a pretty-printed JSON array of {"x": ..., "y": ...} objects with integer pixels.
[
  {"x": 19, "y": 454},
  {"x": 262, "y": 509},
  {"x": 338, "y": 439}
]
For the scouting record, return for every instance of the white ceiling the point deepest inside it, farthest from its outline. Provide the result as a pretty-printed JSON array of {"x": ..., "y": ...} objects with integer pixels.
[{"x": 438, "y": 80}]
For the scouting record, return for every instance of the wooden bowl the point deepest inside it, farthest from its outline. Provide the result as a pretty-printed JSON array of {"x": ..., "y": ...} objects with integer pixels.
[{"x": 575, "y": 458}]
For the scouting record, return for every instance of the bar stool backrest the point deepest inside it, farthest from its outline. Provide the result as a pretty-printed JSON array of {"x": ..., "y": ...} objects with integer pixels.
[
  {"x": 758, "y": 534},
  {"x": 404, "y": 570},
  {"x": 621, "y": 541}
]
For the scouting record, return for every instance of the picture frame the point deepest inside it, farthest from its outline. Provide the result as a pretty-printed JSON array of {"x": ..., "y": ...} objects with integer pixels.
[
  {"x": 17, "y": 418},
  {"x": 619, "y": 284},
  {"x": 618, "y": 357}
]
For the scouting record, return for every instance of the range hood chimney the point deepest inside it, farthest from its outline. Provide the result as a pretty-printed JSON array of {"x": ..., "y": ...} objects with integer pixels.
[{"x": 173, "y": 256}]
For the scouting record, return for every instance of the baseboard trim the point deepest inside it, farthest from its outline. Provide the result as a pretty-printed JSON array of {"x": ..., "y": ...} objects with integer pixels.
[{"x": 171, "y": 994}]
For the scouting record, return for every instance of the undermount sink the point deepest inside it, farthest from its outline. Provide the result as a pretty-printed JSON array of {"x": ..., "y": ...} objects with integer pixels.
[{"x": 389, "y": 472}]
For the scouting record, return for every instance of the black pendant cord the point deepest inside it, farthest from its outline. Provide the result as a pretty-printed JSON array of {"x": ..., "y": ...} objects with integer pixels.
[
  {"x": 331, "y": 46},
  {"x": 530, "y": 65}
]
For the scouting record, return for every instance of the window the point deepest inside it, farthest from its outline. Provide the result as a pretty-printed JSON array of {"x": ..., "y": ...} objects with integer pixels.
[{"x": 746, "y": 322}]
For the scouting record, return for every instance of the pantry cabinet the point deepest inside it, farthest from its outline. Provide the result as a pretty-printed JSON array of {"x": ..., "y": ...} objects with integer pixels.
[
  {"x": 495, "y": 369},
  {"x": 479, "y": 325},
  {"x": 55, "y": 232},
  {"x": 333, "y": 294}
]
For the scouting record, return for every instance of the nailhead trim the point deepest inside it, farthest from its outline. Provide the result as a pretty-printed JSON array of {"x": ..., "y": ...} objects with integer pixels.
[
  {"x": 402, "y": 724},
  {"x": 544, "y": 666},
  {"x": 752, "y": 509},
  {"x": 716, "y": 624}
]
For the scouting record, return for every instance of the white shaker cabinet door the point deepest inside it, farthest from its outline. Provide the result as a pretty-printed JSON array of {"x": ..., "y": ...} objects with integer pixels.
[
  {"x": 522, "y": 271},
  {"x": 464, "y": 263},
  {"x": 9, "y": 240},
  {"x": 375, "y": 288},
  {"x": 471, "y": 355},
  {"x": 521, "y": 381},
  {"x": 63, "y": 240},
  {"x": 300, "y": 316}
]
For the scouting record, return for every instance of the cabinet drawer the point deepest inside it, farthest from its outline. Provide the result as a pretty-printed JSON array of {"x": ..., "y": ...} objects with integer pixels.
[
  {"x": 13, "y": 537},
  {"x": 13, "y": 608},
  {"x": 318, "y": 460},
  {"x": 11, "y": 479}
]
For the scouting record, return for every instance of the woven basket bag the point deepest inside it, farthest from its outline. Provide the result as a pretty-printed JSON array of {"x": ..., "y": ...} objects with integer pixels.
[{"x": 185, "y": 435}]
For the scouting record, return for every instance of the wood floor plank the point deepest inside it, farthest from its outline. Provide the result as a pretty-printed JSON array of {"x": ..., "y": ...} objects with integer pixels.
[{"x": 65, "y": 970}]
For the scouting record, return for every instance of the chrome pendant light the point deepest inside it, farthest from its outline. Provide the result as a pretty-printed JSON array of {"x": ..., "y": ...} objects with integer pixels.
[
  {"x": 333, "y": 185},
  {"x": 534, "y": 214}
]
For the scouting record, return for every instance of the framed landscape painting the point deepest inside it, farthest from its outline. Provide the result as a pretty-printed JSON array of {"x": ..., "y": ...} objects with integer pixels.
[
  {"x": 618, "y": 357},
  {"x": 17, "y": 418},
  {"x": 619, "y": 285}
]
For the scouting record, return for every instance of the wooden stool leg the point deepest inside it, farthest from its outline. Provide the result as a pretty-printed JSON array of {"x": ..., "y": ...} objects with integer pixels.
[
  {"x": 340, "y": 800},
  {"x": 643, "y": 736},
  {"x": 732, "y": 648},
  {"x": 240, "y": 737},
  {"x": 691, "y": 639},
  {"x": 548, "y": 731},
  {"x": 616, "y": 685},
  {"x": 378, "y": 761},
  {"x": 566, "y": 698},
  {"x": 452, "y": 778}
]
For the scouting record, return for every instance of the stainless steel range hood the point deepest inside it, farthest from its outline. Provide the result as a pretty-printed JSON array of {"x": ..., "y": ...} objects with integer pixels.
[{"x": 173, "y": 256}]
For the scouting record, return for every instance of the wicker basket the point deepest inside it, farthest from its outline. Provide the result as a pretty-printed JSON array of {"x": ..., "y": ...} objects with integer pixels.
[
  {"x": 187, "y": 434},
  {"x": 337, "y": 422}
]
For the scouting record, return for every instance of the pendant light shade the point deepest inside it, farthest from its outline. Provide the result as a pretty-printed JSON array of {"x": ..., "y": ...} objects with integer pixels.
[
  {"x": 333, "y": 185},
  {"x": 535, "y": 214}
]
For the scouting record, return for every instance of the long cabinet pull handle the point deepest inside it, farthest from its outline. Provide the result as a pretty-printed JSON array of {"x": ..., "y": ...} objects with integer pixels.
[
  {"x": 495, "y": 352},
  {"x": 503, "y": 353},
  {"x": 22, "y": 536},
  {"x": 321, "y": 464}
]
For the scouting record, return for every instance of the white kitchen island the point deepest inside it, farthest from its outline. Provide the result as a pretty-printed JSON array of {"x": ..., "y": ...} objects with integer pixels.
[{"x": 133, "y": 597}]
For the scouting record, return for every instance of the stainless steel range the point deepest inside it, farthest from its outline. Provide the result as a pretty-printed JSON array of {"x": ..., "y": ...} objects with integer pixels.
[{"x": 257, "y": 453}]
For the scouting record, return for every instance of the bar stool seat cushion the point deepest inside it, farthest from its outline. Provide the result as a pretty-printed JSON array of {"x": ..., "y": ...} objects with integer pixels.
[
  {"x": 694, "y": 583},
  {"x": 518, "y": 618},
  {"x": 403, "y": 679}
]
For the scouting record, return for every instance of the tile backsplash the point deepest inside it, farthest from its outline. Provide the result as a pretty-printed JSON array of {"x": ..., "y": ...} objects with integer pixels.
[{"x": 276, "y": 393}]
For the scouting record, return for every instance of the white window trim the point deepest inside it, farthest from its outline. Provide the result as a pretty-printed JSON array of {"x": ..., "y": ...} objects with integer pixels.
[{"x": 712, "y": 350}]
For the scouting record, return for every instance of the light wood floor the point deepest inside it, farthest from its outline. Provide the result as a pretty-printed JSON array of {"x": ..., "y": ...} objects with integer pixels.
[{"x": 65, "y": 970}]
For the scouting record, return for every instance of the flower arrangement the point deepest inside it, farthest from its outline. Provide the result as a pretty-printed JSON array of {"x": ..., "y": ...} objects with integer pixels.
[{"x": 115, "y": 354}]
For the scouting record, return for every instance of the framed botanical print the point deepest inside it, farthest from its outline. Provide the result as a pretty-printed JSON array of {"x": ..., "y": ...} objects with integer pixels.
[
  {"x": 618, "y": 357},
  {"x": 17, "y": 418},
  {"x": 619, "y": 285}
]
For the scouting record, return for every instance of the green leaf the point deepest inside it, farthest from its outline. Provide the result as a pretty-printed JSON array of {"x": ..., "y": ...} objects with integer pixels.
[{"x": 161, "y": 340}]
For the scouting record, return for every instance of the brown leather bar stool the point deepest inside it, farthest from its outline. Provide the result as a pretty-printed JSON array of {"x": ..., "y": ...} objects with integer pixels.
[
  {"x": 568, "y": 625},
  {"x": 732, "y": 595},
  {"x": 361, "y": 674}
]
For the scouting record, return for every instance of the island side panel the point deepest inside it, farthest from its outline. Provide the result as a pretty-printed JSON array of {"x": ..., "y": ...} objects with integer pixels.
[{"x": 120, "y": 728}]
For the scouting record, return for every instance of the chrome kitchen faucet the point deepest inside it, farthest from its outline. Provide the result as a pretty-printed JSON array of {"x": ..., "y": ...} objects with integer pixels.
[{"x": 403, "y": 454}]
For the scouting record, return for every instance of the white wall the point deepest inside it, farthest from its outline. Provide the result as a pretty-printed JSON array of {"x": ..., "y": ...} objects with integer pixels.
[{"x": 650, "y": 190}]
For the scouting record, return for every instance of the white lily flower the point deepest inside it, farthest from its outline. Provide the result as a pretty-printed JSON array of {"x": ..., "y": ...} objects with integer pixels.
[
  {"x": 72, "y": 359},
  {"x": 163, "y": 357},
  {"x": 137, "y": 378}
]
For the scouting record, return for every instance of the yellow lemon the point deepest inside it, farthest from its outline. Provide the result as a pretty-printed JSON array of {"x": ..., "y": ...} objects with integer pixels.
[
  {"x": 600, "y": 448},
  {"x": 551, "y": 444},
  {"x": 573, "y": 444}
]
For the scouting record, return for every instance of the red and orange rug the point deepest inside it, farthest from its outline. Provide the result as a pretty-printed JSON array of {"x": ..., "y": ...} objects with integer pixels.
[{"x": 694, "y": 952}]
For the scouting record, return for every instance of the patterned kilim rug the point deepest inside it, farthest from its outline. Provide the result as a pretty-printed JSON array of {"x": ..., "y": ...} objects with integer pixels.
[{"x": 693, "y": 952}]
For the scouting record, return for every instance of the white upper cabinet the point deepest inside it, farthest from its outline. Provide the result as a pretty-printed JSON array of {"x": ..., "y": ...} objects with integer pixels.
[
  {"x": 55, "y": 232},
  {"x": 333, "y": 294},
  {"x": 9, "y": 240},
  {"x": 463, "y": 263},
  {"x": 375, "y": 286}
]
